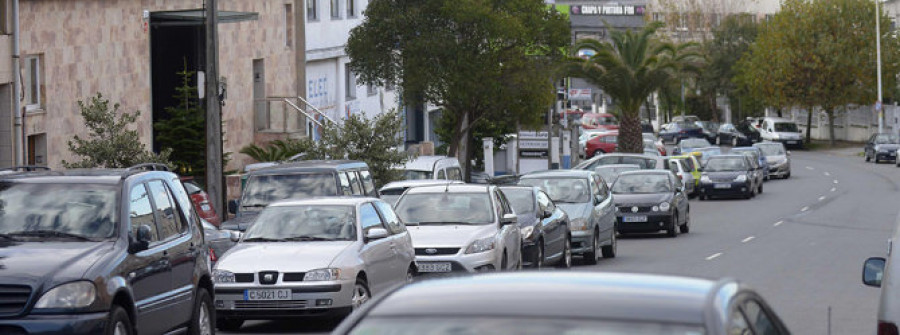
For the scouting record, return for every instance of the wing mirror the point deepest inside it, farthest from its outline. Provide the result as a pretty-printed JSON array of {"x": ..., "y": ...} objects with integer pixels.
[
  {"x": 142, "y": 239},
  {"x": 376, "y": 234},
  {"x": 508, "y": 219},
  {"x": 873, "y": 271},
  {"x": 546, "y": 214},
  {"x": 233, "y": 205},
  {"x": 235, "y": 236}
]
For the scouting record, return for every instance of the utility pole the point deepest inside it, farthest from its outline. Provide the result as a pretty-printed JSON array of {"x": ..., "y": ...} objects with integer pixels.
[
  {"x": 214, "y": 177},
  {"x": 878, "y": 107}
]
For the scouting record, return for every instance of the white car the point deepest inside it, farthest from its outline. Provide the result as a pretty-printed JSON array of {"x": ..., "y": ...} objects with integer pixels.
[
  {"x": 780, "y": 130},
  {"x": 316, "y": 257},
  {"x": 432, "y": 168},
  {"x": 461, "y": 228},
  {"x": 392, "y": 191}
]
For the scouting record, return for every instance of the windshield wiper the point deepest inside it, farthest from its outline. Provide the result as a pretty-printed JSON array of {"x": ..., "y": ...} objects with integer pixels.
[
  {"x": 48, "y": 233},
  {"x": 310, "y": 238},
  {"x": 263, "y": 239},
  {"x": 254, "y": 206},
  {"x": 445, "y": 223}
]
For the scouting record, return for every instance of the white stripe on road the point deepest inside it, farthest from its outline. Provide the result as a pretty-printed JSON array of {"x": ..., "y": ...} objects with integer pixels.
[
  {"x": 827, "y": 174},
  {"x": 822, "y": 198},
  {"x": 748, "y": 239},
  {"x": 835, "y": 181},
  {"x": 778, "y": 223},
  {"x": 804, "y": 209},
  {"x": 833, "y": 189},
  {"x": 810, "y": 168},
  {"x": 713, "y": 256}
]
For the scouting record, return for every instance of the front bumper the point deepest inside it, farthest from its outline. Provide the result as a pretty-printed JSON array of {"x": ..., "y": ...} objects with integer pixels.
[
  {"x": 779, "y": 170},
  {"x": 886, "y": 156},
  {"x": 655, "y": 222},
  {"x": 582, "y": 241},
  {"x": 791, "y": 143},
  {"x": 462, "y": 262},
  {"x": 310, "y": 299},
  {"x": 74, "y": 324},
  {"x": 734, "y": 189}
]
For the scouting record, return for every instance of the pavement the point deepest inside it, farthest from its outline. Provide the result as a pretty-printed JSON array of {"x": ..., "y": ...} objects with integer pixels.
[{"x": 801, "y": 244}]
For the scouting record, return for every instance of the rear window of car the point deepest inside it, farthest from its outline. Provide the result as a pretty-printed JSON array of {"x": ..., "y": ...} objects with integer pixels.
[{"x": 262, "y": 190}]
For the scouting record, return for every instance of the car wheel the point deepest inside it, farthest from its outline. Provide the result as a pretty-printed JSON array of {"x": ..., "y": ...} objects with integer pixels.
[
  {"x": 686, "y": 227},
  {"x": 702, "y": 197},
  {"x": 201, "y": 321},
  {"x": 410, "y": 274},
  {"x": 229, "y": 324},
  {"x": 609, "y": 251},
  {"x": 597, "y": 152},
  {"x": 591, "y": 256},
  {"x": 539, "y": 258},
  {"x": 868, "y": 159},
  {"x": 119, "y": 322},
  {"x": 566, "y": 261},
  {"x": 361, "y": 294},
  {"x": 670, "y": 231},
  {"x": 788, "y": 175},
  {"x": 760, "y": 189}
]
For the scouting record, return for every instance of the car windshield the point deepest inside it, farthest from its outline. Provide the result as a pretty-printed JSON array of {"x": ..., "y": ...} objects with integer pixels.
[
  {"x": 771, "y": 149},
  {"x": 694, "y": 143},
  {"x": 725, "y": 164},
  {"x": 262, "y": 190},
  {"x": 609, "y": 173},
  {"x": 887, "y": 139},
  {"x": 304, "y": 223},
  {"x": 417, "y": 175},
  {"x": 786, "y": 127},
  {"x": 642, "y": 184},
  {"x": 445, "y": 207},
  {"x": 521, "y": 199},
  {"x": 749, "y": 153},
  {"x": 39, "y": 210},
  {"x": 607, "y": 120},
  {"x": 516, "y": 326},
  {"x": 562, "y": 190}
]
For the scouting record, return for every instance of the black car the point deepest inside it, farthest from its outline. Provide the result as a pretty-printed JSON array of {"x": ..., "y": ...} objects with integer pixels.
[
  {"x": 710, "y": 129},
  {"x": 882, "y": 147},
  {"x": 742, "y": 134},
  {"x": 676, "y": 131},
  {"x": 648, "y": 201},
  {"x": 298, "y": 180},
  {"x": 729, "y": 176},
  {"x": 102, "y": 252},
  {"x": 544, "y": 227},
  {"x": 569, "y": 303}
]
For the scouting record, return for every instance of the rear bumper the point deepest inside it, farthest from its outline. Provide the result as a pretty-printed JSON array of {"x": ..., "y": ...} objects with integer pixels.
[{"x": 75, "y": 324}]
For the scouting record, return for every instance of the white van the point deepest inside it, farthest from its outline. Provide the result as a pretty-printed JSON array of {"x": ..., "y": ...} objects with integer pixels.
[
  {"x": 782, "y": 130},
  {"x": 885, "y": 273},
  {"x": 432, "y": 167}
]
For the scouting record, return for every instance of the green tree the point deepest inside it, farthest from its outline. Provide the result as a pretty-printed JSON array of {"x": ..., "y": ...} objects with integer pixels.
[
  {"x": 629, "y": 68},
  {"x": 110, "y": 144},
  {"x": 184, "y": 132},
  {"x": 476, "y": 59},
  {"x": 729, "y": 43}
]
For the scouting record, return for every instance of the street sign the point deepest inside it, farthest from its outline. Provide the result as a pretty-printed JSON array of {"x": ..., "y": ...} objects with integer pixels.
[
  {"x": 878, "y": 105},
  {"x": 537, "y": 135},
  {"x": 580, "y": 94},
  {"x": 533, "y": 144}
]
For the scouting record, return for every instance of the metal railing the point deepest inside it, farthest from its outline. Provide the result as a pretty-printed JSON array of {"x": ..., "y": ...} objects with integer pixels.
[{"x": 285, "y": 114}]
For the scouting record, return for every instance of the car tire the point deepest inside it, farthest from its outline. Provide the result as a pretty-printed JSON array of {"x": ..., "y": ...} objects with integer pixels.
[
  {"x": 539, "y": 259},
  {"x": 671, "y": 230},
  {"x": 788, "y": 175},
  {"x": 229, "y": 325},
  {"x": 597, "y": 153},
  {"x": 503, "y": 261},
  {"x": 410, "y": 274},
  {"x": 361, "y": 294},
  {"x": 204, "y": 314},
  {"x": 119, "y": 322},
  {"x": 760, "y": 189},
  {"x": 566, "y": 261},
  {"x": 686, "y": 227},
  {"x": 868, "y": 159},
  {"x": 609, "y": 251},
  {"x": 591, "y": 257}
]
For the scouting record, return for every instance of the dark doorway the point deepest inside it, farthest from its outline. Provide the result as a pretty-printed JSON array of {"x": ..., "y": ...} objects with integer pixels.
[{"x": 172, "y": 47}]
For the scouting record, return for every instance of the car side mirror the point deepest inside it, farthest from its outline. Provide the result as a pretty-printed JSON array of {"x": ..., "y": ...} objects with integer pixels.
[
  {"x": 788, "y": 153},
  {"x": 233, "y": 205},
  {"x": 873, "y": 271},
  {"x": 142, "y": 239},
  {"x": 376, "y": 234},
  {"x": 546, "y": 214},
  {"x": 235, "y": 236},
  {"x": 508, "y": 219}
]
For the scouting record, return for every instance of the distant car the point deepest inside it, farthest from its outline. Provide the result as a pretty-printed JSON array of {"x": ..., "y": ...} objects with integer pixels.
[
  {"x": 690, "y": 144},
  {"x": 882, "y": 147},
  {"x": 651, "y": 149},
  {"x": 609, "y": 173},
  {"x": 777, "y": 157},
  {"x": 644, "y": 161},
  {"x": 544, "y": 227},
  {"x": 685, "y": 118},
  {"x": 316, "y": 257},
  {"x": 780, "y": 130},
  {"x": 602, "y": 144},
  {"x": 570, "y": 303},
  {"x": 219, "y": 240},
  {"x": 756, "y": 156},
  {"x": 680, "y": 168},
  {"x": 392, "y": 191},
  {"x": 742, "y": 134},
  {"x": 649, "y": 201},
  {"x": 200, "y": 200},
  {"x": 728, "y": 176},
  {"x": 677, "y": 131},
  {"x": 710, "y": 129},
  {"x": 706, "y": 153},
  {"x": 432, "y": 167},
  {"x": 660, "y": 146},
  {"x": 587, "y": 135},
  {"x": 692, "y": 162},
  {"x": 603, "y": 121}
]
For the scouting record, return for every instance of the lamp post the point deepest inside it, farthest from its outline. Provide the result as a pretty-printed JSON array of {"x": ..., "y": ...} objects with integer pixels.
[{"x": 878, "y": 66}]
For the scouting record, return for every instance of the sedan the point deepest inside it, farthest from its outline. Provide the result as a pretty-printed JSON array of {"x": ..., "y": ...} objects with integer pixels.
[
  {"x": 650, "y": 201},
  {"x": 744, "y": 133},
  {"x": 756, "y": 156},
  {"x": 644, "y": 161},
  {"x": 392, "y": 191},
  {"x": 569, "y": 303},
  {"x": 728, "y": 175},
  {"x": 544, "y": 227},
  {"x": 219, "y": 240},
  {"x": 688, "y": 145},
  {"x": 679, "y": 166},
  {"x": 676, "y": 131},
  {"x": 710, "y": 129},
  {"x": 882, "y": 147},
  {"x": 602, "y": 144},
  {"x": 319, "y": 257},
  {"x": 200, "y": 200},
  {"x": 777, "y": 157}
]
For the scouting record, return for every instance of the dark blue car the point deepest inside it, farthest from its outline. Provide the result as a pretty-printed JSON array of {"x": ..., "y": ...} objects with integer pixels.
[{"x": 676, "y": 131}]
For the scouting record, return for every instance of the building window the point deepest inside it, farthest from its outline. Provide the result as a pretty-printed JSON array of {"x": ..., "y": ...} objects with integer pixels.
[
  {"x": 288, "y": 25},
  {"x": 351, "y": 8},
  {"x": 32, "y": 82},
  {"x": 371, "y": 89},
  {"x": 349, "y": 82},
  {"x": 335, "y": 9},
  {"x": 312, "y": 10}
]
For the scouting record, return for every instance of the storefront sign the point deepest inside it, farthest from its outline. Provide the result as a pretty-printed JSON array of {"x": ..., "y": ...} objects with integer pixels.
[
  {"x": 617, "y": 10},
  {"x": 580, "y": 94}
]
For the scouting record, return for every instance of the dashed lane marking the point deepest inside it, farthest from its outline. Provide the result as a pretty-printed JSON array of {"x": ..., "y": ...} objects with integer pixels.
[
  {"x": 833, "y": 189},
  {"x": 810, "y": 168},
  {"x": 776, "y": 224},
  {"x": 822, "y": 198},
  {"x": 713, "y": 256},
  {"x": 827, "y": 173},
  {"x": 804, "y": 209},
  {"x": 835, "y": 181},
  {"x": 748, "y": 239}
]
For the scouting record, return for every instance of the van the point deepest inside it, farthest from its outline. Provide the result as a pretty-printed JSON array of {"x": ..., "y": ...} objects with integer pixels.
[
  {"x": 782, "y": 130},
  {"x": 432, "y": 167}
]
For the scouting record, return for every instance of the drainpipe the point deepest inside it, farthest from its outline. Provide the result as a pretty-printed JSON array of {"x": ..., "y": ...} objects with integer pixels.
[{"x": 19, "y": 131}]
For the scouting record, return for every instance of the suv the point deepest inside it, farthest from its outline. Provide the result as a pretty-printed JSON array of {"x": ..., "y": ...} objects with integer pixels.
[
  {"x": 102, "y": 251},
  {"x": 298, "y": 180}
]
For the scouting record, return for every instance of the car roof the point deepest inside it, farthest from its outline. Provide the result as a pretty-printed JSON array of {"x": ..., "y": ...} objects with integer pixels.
[
  {"x": 726, "y": 156},
  {"x": 752, "y": 149},
  {"x": 637, "y": 297},
  {"x": 310, "y": 165},
  {"x": 425, "y": 163},
  {"x": 451, "y": 188},
  {"x": 557, "y": 173},
  {"x": 613, "y": 166},
  {"x": 343, "y": 200},
  {"x": 777, "y": 119},
  {"x": 418, "y": 182},
  {"x": 74, "y": 176},
  {"x": 647, "y": 171}
]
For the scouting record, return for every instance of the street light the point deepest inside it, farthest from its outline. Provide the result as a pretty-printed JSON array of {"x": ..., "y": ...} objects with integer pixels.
[{"x": 878, "y": 66}]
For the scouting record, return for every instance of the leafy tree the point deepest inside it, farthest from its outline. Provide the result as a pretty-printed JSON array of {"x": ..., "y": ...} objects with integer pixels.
[
  {"x": 278, "y": 150},
  {"x": 185, "y": 130},
  {"x": 477, "y": 59},
  {"x": 728, "y": 44},
  {"x": 110, "y": 144}
]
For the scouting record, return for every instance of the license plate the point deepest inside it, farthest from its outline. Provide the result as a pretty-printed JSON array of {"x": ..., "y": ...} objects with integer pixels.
[
  {"x": 434, "y": 267},
  {"x": 722, "y": 186},
  {"x": 278, "y": 294},
  {"x": 791, "y": 142},
  {"x": 640, "y": 218}
]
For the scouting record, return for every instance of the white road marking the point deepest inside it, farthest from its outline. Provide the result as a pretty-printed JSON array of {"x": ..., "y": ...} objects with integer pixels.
[
  {"x": 748, "y": 239},
  {"x": 833, "y": 189},
  {"x": 804, "y": 209},
  {"x": 810, "y": 168},
  {"x": 835, "y": 181},
  {"x": 777, "y": 223},
  {"x": 713, "y": 256},
  {"x": 827, "y": 174},
  {"x": 822, "y": 198}
]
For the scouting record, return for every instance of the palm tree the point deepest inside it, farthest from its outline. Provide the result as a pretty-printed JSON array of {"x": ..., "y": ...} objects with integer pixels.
[{"x": 631, "y": 66}]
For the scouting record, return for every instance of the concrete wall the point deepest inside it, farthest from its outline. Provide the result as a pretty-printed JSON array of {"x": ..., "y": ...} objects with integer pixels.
[{"x": 856, "y": 124}]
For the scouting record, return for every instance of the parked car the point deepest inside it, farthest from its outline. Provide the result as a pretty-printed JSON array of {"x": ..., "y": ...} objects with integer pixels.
[
  {"x": 777, "y": 157},
  {"x": 102, "y": 252},
  {"x": 882, "y": 147},
  {"x": 676, "y": 131},
  {"x": 644, "y": 161},
  {"x": 780, "y": 130},
  {"x": 649, "y": 201},
  {"x": 685, "y": 118},
  {"x": 729, "y": 175},
  {"x": 200, "y": 200},
  {"x": 884, "y": 272},
  {"x": 392, "y": 191},
  {"x": 743, "y": 134},
  {"x": 461, "y": 228},
  {"x": 609, "y": 173},
  {"x": 693, "y": 164},
  {"x": 570, "y": 303},
  {"x": 585, "y": 198},
  {"x": 544, "y": 227},
  {"x": 218, "y": 240},
  {"x": 604, "y": 121},
  {"x": 706, "y": 153},
  {"x": 432, "y": 167},
  {"x": 686, "y": 146},
  {"x": 680, "y": 168},
  {"x": 660, "y": 146},
  {"x": 710, "y": 129},
  {"x": 602, "y": 144},
  {"x": 587, "y": 135},
  {"x": 298, "y": 180},
  {"x": 756, "y": 156}
]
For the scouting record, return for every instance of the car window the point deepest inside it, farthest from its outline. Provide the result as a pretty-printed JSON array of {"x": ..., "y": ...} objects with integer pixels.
[
  {"x": 367, "y": 182},
  {"x": 345, "y": 184},
  {"x": 354, "y": 182},
  {"x": 141, "y": 212},
  {"x": 180, "y": 221},
  {"x": 544, "y": 201},
  {"x": 442, "y": 175},
  {"x": 166, "y": 224},
  {"x": 503, "y": 204},
  {"x": 737, "y": 324},
  {"x": 454, "y": 173},
  {"x": 393, "y": 222},
  {"x": 689, "y": 163},
  {"x": 673, "y": 166},
  {"x": 759, "y": 319},
  {"x": 369, "y": 218},
  {"x": 521, "y": 199}
]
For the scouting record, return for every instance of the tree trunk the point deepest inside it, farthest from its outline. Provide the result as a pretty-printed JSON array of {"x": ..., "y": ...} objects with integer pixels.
[
  {"x": 463, "y": 146},
  {"x": 809, "y": 113},
  {"x": 630, "y": 138},
  {"x": 453, "y": 146},
  {"x": 831, "y": 113}
]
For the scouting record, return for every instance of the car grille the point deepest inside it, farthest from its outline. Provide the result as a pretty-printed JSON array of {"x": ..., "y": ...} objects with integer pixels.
[
  {"x": 436, "y": 251},
  {"x": 281, "y": 304},
  {"x": 641, "y": 208},
  {"x": 722, "y": 180},
  {"x": 267, "y": 277},
  {"x": 243, "y": 277},
  {"x": 293, "y": 276},
  {"x": 13, "y": 299}
]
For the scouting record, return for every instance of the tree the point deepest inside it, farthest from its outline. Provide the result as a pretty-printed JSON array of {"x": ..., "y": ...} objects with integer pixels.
[
  {"x": 629, "y": 68},
  {"x": 185, "y": 130},
  {"x": 729, "y": 43},
  {"x": 110, "y": 144},
  {"x": 476, "y": 59}
]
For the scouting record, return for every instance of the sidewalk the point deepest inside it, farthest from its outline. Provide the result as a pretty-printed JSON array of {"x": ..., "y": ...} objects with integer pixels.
[{"x": 841, "y": 148}]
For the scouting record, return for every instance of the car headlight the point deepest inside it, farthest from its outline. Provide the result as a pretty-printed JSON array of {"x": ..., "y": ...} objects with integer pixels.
[
  {"x": 322, "y": 275},
  {"x": 481, "y": 245},
  {"x": 578, "y": 224},
  {"x": 705, "y": 179},
  {"x": 776, "y": 136},
  {"x": 655, "y": 208},
  {"x": 664, "y": 206},
  {"x": 741, "y": 178},
  {"x": 78, "y": 294},
  {"x": 527, "y": 232},
  {"x": 222, "y": 276}
]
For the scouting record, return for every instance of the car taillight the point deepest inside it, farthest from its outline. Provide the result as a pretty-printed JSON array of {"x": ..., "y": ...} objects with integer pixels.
[
  {"x": 212, "y": 255},
  {"x": 683, "y": 132},
  {"x": 887, "y": 328}
]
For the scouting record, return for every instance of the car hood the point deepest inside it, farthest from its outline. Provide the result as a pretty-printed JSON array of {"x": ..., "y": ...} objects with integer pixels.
[
  {"x": 451, "y": 236},
  {"x": 642, "y": 199},
  {"x": 724, "y": 174},
  {"x": 241, "y": 223},
  {"x": 776, "y": 159},
  {"x": 577, "y": 211},
  {"x": 33, "y": 263},
  {"x": 253, "y": 257},
  {"x": 887, "y": 146}
]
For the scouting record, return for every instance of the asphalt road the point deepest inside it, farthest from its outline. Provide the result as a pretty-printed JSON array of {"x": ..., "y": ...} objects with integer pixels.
[{"x": 801, "y": 244}]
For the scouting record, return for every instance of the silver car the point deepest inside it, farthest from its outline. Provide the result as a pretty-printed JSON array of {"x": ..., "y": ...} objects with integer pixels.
[
  {"x": 778, "y": 157},
  {"x": 461, "y": 228},
  {"x": 393, "y": 190},
  {"x": 679, "y": 167},
  {"x": 315, "y": 257}
]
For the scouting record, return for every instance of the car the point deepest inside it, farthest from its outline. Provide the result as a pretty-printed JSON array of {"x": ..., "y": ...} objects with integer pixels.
[
  {"x": 200, "y": 199},
  {"x": 392, "y": 191},
  {"x": 570, "y": 303},
  {"x": 649, "y": 201},
  {"x": 780, "y": 130},
  {"x": 584, "y": 196},
  {"x": 218, "y": 240},
  {"x": 586, "y": 135},
  {"x": 692, "y": 163},
  {"x": 676, "y": 131},
  {"x": 650, "y": 148},
  {"x": 777, "y": 157},
  {"x": 685, "y": 118},
  {"x": 742, "y": 134},
  {"x": 544, "y": 227},
  {"x": 884, "y": 272},
  {"x": 681, "y": 170},
  {"x": 602, "y": 144},
  {"x": 710, "y": 129},
  {"x": 659, "y": 144},
  {"x": 298, "y": 180},
  {"x": 688, "y": 145},
  {"x": 602, "y": 121},
  {"x": 432, "y": 167},
  {"x": 644, "y": 161},
  {"x": 609, "y": 173},
  {"x": 728, "y": 175},
  {"x": 461, "y": 228},
  {"x": 756, "y": 156},
  {"x": 102, "y": 251},
  {"x": 314, "y": 257},
  {"x": 882, "y": 147},
  {"x": 706, "y": 153}
]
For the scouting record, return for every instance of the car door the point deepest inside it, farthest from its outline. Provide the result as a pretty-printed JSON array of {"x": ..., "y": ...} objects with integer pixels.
[
  {"x": 509, "y": 234},
  {"x": 401, "y": 243},
  {"x": 376, "y": 255},
  {"x": 554, "y": 229},
  {"x": 681, "y": 200},
  {"x": 603, "y": 209},
  {"x": 182, "y": 253}
]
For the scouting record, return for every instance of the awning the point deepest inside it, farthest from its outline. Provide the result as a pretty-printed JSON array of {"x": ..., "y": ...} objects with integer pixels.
[{"x": 196, "y": 17}]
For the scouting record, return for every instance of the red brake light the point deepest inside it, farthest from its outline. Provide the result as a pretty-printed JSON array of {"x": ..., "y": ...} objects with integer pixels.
[
  {"x": 212, "y": 255},
  {"x": 887, "y": 328}
]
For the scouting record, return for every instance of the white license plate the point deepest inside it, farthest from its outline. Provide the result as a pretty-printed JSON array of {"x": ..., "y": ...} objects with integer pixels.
[
  {"x": 791, "y": 142},
  {"x": 278, "y": 294},
  {"x": 640, "y": 218},
  {"x": 722, "y": 186},
  {"x": 434, "y": 267}
]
